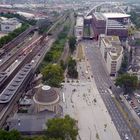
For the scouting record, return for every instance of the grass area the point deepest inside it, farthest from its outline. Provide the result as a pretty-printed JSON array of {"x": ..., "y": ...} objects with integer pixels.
[
  {"x": 126, "y": 117},
  {"x": 80, "y": 53}
]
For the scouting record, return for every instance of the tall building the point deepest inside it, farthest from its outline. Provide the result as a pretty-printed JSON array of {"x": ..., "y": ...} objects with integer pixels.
[{"x": 112, "y": 52}]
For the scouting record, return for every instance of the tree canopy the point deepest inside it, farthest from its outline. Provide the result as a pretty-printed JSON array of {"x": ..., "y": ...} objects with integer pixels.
[
  {"x": 57, "y": 129},
  {"x": 62, "y": 128},
  {"x": 12, "y": 135},
  {"x": 127, "y": 82},
  {"x": 53, "y": 74},
  {"x": 72, "y": 68},
  {"x": 72, "y": 43}
]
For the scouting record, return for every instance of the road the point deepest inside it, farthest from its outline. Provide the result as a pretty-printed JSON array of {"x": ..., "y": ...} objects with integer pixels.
[{"x": 103, "y": 82}]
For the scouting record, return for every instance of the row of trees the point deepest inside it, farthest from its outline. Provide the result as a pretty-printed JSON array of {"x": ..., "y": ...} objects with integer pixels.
[
  {"x": 127, "y": 82},
  {"x": 53, "y": 72},
  {"x": 57, "y": 48},
  {"x": 5, "y": 39},
  {"x": 72, "y": 43},
  {"x": 57, "y": 129},
  {"x": 72, "y": 68}
]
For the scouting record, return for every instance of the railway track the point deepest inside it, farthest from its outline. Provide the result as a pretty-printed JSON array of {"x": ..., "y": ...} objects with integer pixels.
[
  {"x": 5, "y": 109},
  {"x": 8, "y": 47},
  {"x": 35, "y": 55},
  {"x": 25, "y": 58}
]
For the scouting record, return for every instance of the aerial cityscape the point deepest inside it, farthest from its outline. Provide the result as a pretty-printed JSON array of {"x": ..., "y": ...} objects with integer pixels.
[{"x": 69, "y": 70}]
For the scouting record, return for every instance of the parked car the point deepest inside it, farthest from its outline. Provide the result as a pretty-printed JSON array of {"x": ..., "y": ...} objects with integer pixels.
[
  {"x": 126, "y": 137},
  {"x": 139, "y": 101},
  {"x": 137, "y": 95},
  {"x": 135, "y": 107},
  {"x": 137, "y": 111}
]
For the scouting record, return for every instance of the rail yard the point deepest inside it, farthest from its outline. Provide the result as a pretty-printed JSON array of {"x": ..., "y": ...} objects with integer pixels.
[{"x": 18, "y": 64}]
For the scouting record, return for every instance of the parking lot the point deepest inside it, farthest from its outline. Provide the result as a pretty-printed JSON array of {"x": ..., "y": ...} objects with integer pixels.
[{"x": 134, "y": 101}]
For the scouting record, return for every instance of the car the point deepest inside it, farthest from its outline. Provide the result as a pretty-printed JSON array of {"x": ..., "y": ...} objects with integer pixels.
[
  {"x": 135, "y": 107},
  {"x": 139, "y": 101},
  {"x": 125, "y": 95},
  {"x": 137, "y": 95},
  {"x": 128, "y": 98},
  {"x": 137, "y": 111},
  {"x": 126, "y": 137}
]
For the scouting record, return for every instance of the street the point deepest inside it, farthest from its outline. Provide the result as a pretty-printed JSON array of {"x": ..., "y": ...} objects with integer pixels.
[{"x": 103, "y": 82}]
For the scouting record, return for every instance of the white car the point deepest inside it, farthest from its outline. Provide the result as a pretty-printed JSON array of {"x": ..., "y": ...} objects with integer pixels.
[
  {"x": 126, "y": 137},
  {"x": 137, "y": 95}
]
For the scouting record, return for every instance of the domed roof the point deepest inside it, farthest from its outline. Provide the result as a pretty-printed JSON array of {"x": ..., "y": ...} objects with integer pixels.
[{"x": 46, "y": 95}]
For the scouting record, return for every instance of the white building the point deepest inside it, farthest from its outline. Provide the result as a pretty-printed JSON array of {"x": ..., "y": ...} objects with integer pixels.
[
  {"x": 79, "y": 27},
  {"x": 112, "y": 52},
  {"x": 9, "y": 25}
]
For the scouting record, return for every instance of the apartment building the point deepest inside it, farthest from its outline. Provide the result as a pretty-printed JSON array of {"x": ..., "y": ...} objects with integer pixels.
[{"x": 112, "y": 52}]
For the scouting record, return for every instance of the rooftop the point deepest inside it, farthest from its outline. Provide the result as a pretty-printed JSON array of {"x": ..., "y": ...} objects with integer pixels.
[
  {"x": 116, "y": 48},
  {"x": 99, "y": 16},
  {"x": 46, "y": 95},
  {"x": 10, "y": 21},
  {"x": 80, "y": 21},
  {"x": 115, "y": 15}
]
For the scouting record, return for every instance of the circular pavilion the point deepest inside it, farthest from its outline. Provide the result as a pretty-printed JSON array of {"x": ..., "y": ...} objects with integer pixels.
[{"x": 46, "y": 98}]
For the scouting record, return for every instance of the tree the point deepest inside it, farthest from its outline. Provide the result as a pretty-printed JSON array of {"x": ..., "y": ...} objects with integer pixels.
[
  {"x": 127, "y": 82},
  {"x": 62, "y": 128},
  {"x": 72, "y": 43},
  {"x": 72, "y": 70},
  {"x": 11, "y": 135},
  {"x": 53, "y": 75}
]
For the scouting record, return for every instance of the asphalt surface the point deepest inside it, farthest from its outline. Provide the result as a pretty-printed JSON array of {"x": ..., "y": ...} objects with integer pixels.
[{"x": 103, "y": 82}]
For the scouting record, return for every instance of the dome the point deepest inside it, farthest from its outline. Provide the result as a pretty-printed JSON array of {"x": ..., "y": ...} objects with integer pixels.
[{"x": 46, "y": 95}]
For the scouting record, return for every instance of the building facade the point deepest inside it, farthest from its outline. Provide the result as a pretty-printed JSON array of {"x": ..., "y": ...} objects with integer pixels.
[
  {"x": 110, "y": 24},
  {"x": 112, "y": 52}
]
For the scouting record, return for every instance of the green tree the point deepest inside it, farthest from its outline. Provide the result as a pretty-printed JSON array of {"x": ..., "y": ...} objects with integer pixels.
[
  {"x": 127, "y": 82},
  {"x": 12, "y": 135},
  {"x": 62, "y": 128},
  {"x": 72, "y": 43},
  {"x": 53, "y": 74},
  {"x": 72, "y": 69}
]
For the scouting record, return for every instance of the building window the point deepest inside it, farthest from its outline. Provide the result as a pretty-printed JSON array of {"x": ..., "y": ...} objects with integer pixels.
[{"x": 7, "y": 27}]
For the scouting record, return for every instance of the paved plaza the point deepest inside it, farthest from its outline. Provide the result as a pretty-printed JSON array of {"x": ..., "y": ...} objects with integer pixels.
[{"x": 84, "y": 103}]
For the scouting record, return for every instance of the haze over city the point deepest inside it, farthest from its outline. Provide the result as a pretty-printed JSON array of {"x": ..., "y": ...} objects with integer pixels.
[{"x": 69, "y": 70}]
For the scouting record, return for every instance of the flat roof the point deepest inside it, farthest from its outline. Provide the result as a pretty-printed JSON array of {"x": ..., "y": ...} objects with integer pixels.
[
  {"x": 115, "y": 46},
  {"x": 80, "y": 21},
  {"x": 99, "y": 16},
  {"x": 115, "y": 15}
]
